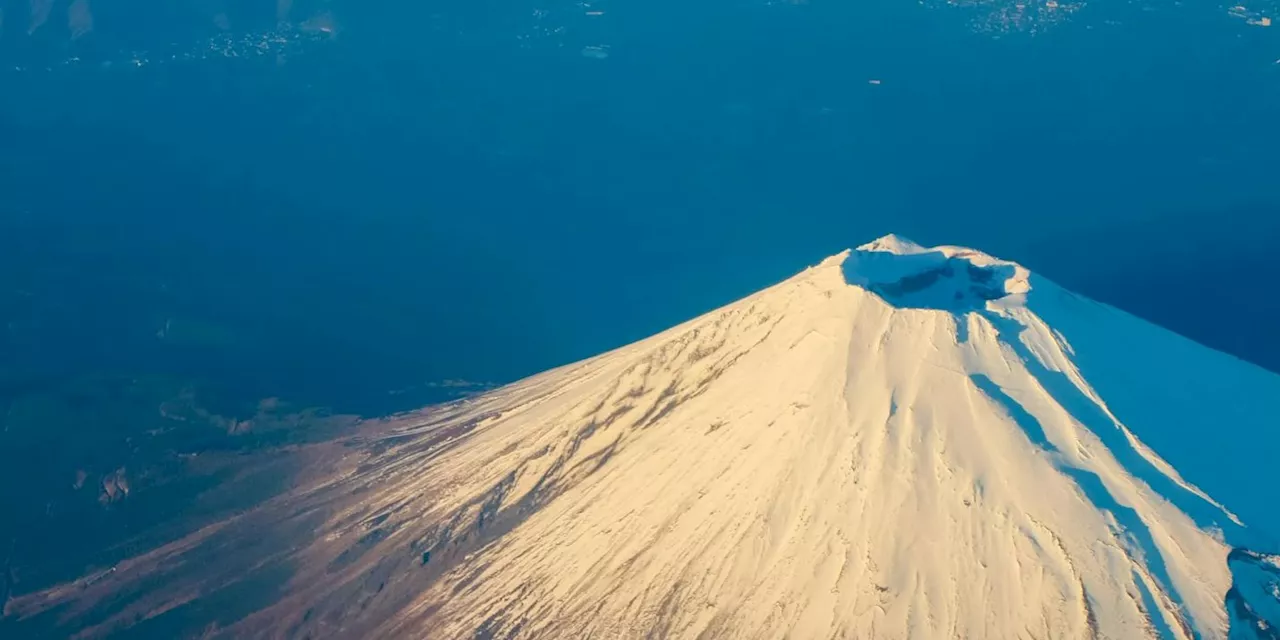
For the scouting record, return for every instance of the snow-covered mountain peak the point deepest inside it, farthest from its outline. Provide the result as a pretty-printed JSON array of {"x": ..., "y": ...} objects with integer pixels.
[
  {"x": 950, "y": 278},
  {"x": 901, "y": 442},
  {"x": 893, "y": 243}
]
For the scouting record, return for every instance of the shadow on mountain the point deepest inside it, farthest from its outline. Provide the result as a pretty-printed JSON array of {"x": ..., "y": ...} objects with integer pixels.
[
  {"x": 1253, "y": 603},
  {"x": 1095, "y": 491},
  {"x": 931, "y": 279},
  {"x": 955, "y": 284},
  {"x": 1223, "y": 258}
]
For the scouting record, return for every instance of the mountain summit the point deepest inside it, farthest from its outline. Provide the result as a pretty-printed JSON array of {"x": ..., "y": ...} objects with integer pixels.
[{"x": 901, "y": 442}]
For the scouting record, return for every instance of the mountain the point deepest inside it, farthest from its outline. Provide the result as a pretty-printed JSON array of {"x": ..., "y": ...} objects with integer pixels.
[{"x": 900, "y": 442}]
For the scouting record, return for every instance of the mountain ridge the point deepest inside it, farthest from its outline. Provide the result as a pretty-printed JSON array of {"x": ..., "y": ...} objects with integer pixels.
[{"x": 897, "y": 442}]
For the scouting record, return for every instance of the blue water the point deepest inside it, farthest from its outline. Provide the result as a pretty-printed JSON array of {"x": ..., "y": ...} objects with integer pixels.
[{"x": 454, "y": 191}]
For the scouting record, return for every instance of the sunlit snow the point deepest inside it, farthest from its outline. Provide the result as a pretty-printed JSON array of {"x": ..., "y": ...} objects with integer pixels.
[{"x": 899, "y": 442}]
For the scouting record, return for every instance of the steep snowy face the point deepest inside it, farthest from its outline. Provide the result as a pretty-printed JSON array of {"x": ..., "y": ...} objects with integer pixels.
[{"x": 897, "y": 443}]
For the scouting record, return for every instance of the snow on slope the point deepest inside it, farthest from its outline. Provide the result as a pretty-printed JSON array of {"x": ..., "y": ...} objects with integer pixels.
[{"x": 898, "y": 443}]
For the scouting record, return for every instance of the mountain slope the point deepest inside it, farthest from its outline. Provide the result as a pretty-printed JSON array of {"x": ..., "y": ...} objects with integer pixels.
[{"x": 898, "y": 443}]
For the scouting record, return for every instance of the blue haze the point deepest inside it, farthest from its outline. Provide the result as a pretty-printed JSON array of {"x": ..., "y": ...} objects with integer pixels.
[{"x": 447, "y": 191}]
